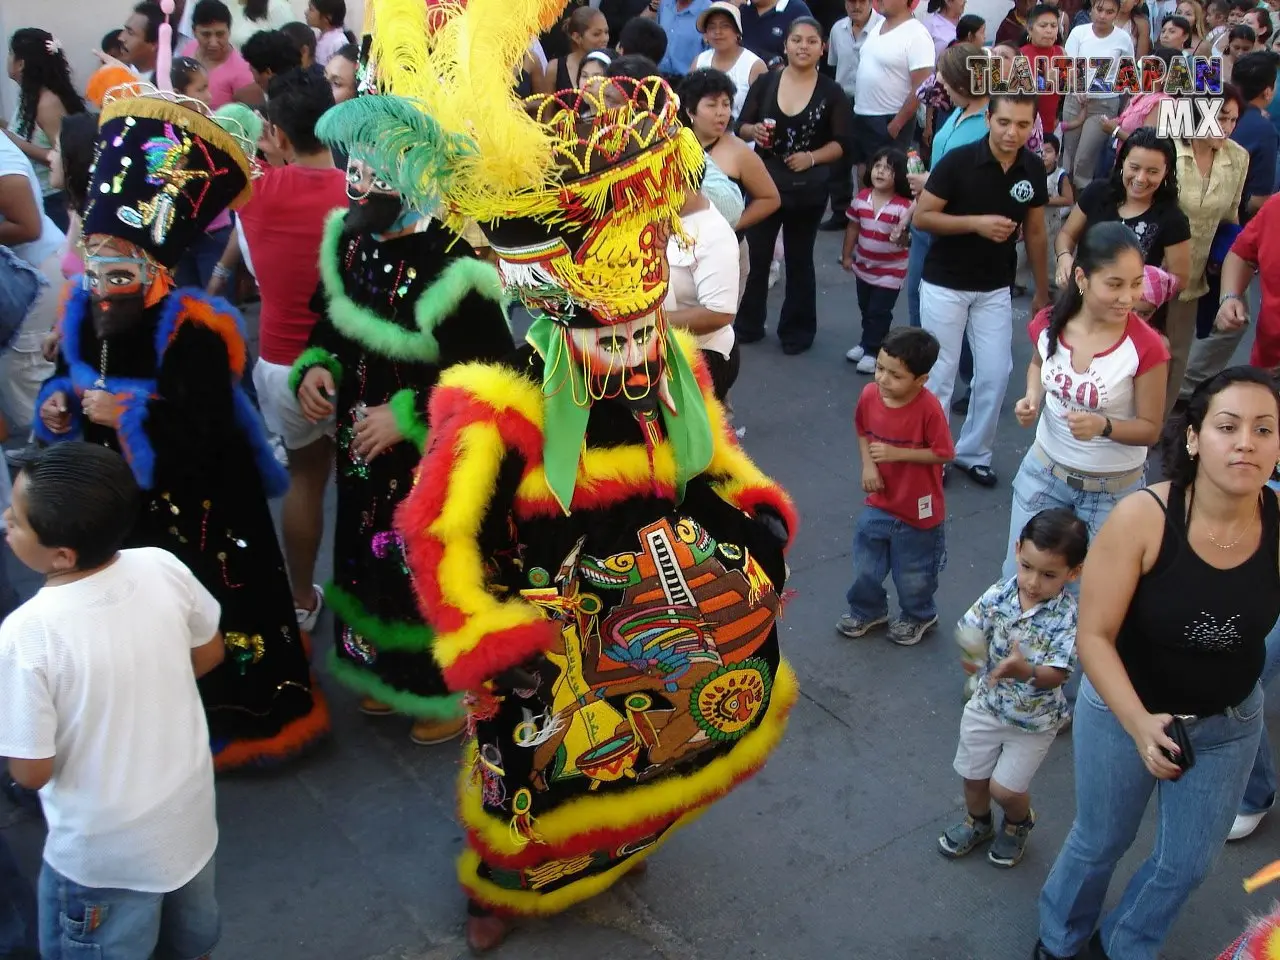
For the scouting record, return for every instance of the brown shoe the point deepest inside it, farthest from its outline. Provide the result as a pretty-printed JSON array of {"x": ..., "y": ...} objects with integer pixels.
[
  {"x": 487, "y": 932},
  {"x": 375, "y": 708},
  {"x": 426, "y": 733}
]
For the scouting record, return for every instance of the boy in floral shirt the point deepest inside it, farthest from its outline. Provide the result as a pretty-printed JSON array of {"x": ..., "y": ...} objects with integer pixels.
[{"x": 1027, "y": 625}]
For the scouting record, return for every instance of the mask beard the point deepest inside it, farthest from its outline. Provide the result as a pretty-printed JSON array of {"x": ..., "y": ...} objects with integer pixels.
[
  {"x": 376, "y": 213},
  {"x": 116, "y": 315}
]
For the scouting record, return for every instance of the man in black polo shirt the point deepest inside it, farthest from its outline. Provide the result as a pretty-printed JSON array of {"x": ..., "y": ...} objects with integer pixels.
[{"x": 973, "y": 202}]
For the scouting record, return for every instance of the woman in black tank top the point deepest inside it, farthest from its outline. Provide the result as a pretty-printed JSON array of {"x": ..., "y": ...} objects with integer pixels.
[{"x": 1181, "y": 587}]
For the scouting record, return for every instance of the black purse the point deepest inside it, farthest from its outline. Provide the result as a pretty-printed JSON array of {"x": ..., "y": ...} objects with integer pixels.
[{"x": 1185, "y": 758}]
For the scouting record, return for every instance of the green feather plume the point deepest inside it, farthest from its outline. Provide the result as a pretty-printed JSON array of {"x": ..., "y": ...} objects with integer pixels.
[{"x": 405, "y": 147}]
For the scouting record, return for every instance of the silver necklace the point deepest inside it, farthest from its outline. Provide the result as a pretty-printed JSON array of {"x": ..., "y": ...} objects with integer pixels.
[{"x": 1227, "y": 546}]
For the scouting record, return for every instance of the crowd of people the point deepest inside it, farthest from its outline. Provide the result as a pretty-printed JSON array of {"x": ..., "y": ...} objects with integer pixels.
[{"x": 582, "y": 562}]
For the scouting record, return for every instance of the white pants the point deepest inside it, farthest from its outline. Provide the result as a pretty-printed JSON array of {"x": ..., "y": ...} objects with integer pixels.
[
  {"x": 23, "y": 369},
  {"x": 280, "y": 409},
  {"x": 988, "y": 318}
]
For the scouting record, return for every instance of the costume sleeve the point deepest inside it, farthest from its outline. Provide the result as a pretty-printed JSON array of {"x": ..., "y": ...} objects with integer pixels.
[
  {"x": 324, "y": 347},
  {"x": 453, "y": 522},
  {"x": 198, "y": 411},
  {"x": 59, "y": 382}
]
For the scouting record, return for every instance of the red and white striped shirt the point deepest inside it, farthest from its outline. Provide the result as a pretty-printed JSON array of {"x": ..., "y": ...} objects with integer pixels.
[{"x": 877, "y": 260}]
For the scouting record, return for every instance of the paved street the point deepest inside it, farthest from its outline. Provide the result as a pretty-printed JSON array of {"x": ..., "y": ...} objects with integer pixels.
[{"x": 830, "y": 852}]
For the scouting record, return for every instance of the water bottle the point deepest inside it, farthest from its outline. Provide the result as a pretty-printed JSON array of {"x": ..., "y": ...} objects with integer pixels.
[{"x": 914, "y": 163}]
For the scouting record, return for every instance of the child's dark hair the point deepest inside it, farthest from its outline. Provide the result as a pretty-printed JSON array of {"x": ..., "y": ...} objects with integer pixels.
[
  {"x": 643, "y": 36},
  {"x": 1179, "y": 466},
  {"x": 897, "y": 161},
  {"x": 1051, "y": 140},
  {"x": 967, "y": 27},
  {"x": 916, "y": 348},
  {"x": 1058, "y": 531},
  {"x": 182, "y": 71},
  {"x": 334, "y": 11},
  {"x": 304, "y": 38},
  {"x": 82, "y": 497},
  {"x": 271, "y": 51},
  {"x": 77, "y": 143},
  {"x": 1101, "y": 244},
  {"x": 111, "y": 44},
  {"x": 1242, "y": 31}
]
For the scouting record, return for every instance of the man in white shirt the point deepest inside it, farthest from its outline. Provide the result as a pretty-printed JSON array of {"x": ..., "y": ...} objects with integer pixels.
[
  {"x": 843, "y": 54},
  {"x": 896, "y": 57},
  {"x": 35, "y": 239},
  {"x": 1081, "y": 144}
]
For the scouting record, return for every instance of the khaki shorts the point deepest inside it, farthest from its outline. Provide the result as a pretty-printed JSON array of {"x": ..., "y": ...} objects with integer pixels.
[
  {"x": 280, "y": 408},
  {"x": 992, "y": 749}
]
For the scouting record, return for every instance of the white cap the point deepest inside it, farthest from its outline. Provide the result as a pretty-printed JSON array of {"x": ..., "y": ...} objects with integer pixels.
[{"x": 721, "y": 6}]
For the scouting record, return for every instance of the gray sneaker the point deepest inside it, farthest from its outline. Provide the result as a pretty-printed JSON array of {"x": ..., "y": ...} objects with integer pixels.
[
  {"x": 1011, "y": 844},
  {"x": 907, "y": 633},
  {"x": 965, "y": 837},
  {"x": 854, "y": 627}
]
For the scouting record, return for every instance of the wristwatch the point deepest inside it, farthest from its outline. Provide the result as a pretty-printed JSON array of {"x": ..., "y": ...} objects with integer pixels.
[
  {"x": 1229, "y": 296},
  {"x": 1106, "y": 431}
]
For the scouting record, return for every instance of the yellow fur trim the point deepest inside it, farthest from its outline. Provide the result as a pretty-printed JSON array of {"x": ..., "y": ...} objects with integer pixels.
[
  {"x": 532, "y": 904},
  {"x": 628, "y": 464},
  {"x": 472, "y": 481},
  {"x": 643, "y": 802},
  {"x": 498, "y": 387}
]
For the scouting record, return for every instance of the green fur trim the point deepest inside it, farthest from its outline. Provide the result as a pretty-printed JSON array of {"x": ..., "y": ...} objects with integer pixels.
[
  {"x": 404, "y": 407},
  {"x": 410, "y": 705},
  {"x": 313, "y": 357},
  {"x": 383, "y": 634},
  {"x": 437, "y": 303}
]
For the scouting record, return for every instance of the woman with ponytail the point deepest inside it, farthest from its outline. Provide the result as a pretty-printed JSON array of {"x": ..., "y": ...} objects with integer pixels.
[
  {"x": 1100, "y": 373},
  {"x": 45, "y": 95}
]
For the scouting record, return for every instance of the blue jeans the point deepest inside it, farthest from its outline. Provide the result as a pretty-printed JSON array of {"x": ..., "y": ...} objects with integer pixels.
[
  {"x": 1113, "y": 789},
  {"x": 920, "y": 243},
  {"x": 884, "y": 545},
  {"x": 1260, "y": 792},
  {"x": 1035, "y": 488},
  {"x": 20, "y": 286},
  {"x": 77, "y": 923},
  {"x": 195, "y": 269},
  {"x": 876, "y": 306},
  {"x": 17, "y": 910}
]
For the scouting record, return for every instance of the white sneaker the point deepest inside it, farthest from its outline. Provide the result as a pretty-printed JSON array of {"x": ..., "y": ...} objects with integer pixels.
[
  {"x": 867, "y": 365},
  {"x": 775, "y": 270},
  {"x": 1245, "y": 824},
  {"x": 307, "y": 618},
  {"x": 856, "y": 354}
]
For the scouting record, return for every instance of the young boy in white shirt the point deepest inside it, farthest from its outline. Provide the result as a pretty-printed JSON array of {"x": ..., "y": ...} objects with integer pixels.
[{"x": 99, "y": 711}]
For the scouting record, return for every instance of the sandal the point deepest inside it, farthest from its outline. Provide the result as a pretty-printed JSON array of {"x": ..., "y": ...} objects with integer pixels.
[
  {"x": 982, "y": 475},
  {"x": 307, "y": 618}
]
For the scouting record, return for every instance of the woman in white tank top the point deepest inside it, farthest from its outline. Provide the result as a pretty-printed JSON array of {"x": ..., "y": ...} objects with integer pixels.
[{"x": 721, "y": 29}]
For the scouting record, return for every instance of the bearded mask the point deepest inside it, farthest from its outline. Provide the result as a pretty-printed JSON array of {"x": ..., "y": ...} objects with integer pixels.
[
  {"x": 118, "y": 288},
  {"x": 623, "y": 362},
  {"x": 373, "y": 205}
]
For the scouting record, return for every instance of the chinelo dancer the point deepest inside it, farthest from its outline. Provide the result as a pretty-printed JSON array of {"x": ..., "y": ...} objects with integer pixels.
[
  {"x": 154, "y": 372},
  {"x": 405, "y": 298},
  {"x": 601, "y": 563}
]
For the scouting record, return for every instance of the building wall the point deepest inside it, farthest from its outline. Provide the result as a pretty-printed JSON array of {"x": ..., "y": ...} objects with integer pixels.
[{"x": 80, "y": 24}]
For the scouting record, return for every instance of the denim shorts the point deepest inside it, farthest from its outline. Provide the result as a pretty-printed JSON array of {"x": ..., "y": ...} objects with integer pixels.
[{"x": 87, "y": 923}]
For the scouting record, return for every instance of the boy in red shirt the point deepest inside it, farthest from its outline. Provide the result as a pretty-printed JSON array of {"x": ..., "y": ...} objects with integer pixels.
[
  {"x": 1257, "y": 248},
  {"x": 1042, "y": 41},
  {"x": 904, "y": 439}
]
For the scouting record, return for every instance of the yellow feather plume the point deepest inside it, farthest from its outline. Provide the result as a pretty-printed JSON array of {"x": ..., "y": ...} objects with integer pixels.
[{"x": 460, "y": 62}]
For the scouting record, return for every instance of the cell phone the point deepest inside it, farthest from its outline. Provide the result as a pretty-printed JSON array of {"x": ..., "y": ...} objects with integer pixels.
[{"x": 1176, "y": 731}]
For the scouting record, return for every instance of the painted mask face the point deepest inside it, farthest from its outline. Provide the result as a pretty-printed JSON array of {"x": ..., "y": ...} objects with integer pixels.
[
  {"x": 117, "y": 281},
  {"x": 374, "y": 205},
  {"x": 623, "y": 362}
]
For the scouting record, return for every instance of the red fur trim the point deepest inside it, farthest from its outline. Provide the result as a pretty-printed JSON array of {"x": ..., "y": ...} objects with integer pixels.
[
  {"x": 224, "y": 325},
  {"x": 291, "y": 741},
  {"x": 500, "y": 650},
  {"x": 770, "y": 496}
]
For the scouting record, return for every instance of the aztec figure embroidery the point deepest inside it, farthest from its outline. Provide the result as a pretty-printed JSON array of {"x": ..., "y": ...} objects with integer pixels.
[{"x": 669, "y": 673}]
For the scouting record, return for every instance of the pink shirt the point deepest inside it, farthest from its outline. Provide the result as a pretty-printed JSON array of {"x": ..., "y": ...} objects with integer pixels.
[{"x": 228, "y": 77}]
